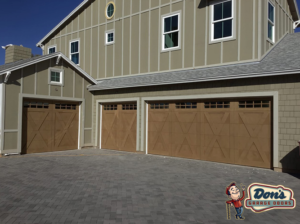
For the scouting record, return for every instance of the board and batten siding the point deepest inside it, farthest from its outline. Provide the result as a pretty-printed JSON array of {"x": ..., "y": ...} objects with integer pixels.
[
  {"x": 137, "y": 26},
  {"x": 33, "y": 80}
]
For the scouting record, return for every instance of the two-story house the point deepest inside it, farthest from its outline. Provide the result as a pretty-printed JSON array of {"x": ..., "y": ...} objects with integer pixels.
[{"x": 209, "y": 80}]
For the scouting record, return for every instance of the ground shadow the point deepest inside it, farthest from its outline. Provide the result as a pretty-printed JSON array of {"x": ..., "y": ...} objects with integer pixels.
[{"x": 291, "y": 163}]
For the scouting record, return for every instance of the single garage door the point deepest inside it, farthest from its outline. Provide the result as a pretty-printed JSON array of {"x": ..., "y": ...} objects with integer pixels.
[
  {"x": 227, "y": 131},
  {"x": 49, "y": 126},
  {"x": 119, "y": 123}
]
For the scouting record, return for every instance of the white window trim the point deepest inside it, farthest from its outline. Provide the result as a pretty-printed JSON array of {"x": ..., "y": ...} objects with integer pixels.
[
  {"x": 52, "y": 46},
  {"x": 212, "y": 22},
  {"x": 106, "y": 37},
  {"x": 70, "y": 56},
  {"x": 163, "y": 17},
  {"x": 273, "y": 23},
  {"x": 62, "y": 75}
]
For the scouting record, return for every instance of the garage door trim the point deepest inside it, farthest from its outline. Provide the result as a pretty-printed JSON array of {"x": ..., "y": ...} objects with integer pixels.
[
  {"x": 274, "y": 95},
  {"x": 53, "y": 98},
  {"x": 99, "y": 118}
]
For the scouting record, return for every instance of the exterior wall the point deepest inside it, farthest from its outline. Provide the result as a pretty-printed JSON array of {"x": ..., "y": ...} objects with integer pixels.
[
  {"x": 283, "y": 23},
  {"x": 33, "y": 81},
  {"x": 137, "y": 25},
  {"x": 288, "y": 88}
]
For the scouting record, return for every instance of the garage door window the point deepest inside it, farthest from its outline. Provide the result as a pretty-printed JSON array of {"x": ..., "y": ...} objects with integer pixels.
[
  {"x": 65, "y": 106},
  {"x": 254, "y": 104},
  {"x": 219, "y": 104},
  {"x": 111, "y": 107},
  {"x": 157, "y": 106},
  {"x": 129, "y": 107},
  {"x": 186, "y": 105},
  {"x": 36, "y": 105}
]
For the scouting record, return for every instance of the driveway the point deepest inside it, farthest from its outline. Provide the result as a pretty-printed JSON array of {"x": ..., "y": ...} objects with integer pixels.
[{"x": 103, "y": 186}]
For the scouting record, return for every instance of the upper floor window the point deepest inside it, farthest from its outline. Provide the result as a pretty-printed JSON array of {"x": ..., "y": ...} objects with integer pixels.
[
  {"x": 110, "y": 10},
  {"x": 222, "y": 22},
  {"x": 110, "y": 37},
  {"x": 271, "y": 22},
  {"x": 74, "y": 51},
  {"x": 51, "y": 49},
  {"x": 171, "y": 32}
]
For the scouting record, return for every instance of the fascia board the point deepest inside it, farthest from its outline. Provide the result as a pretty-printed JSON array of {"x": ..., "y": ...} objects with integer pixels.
[{"x": 64, "y": 20}]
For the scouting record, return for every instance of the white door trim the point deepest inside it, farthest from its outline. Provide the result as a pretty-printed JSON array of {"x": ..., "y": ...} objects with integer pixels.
[
  {"x": 99, "y": 117},
  {"x": 274, "y": 95}
]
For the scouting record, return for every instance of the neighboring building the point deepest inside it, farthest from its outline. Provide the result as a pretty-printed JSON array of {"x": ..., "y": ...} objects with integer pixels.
[{"x": 208, "y": 80}]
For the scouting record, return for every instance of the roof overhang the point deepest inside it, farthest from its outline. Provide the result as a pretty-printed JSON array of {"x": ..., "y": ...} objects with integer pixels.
[
  {"x": 40, "y": 43},
  {"x": 294, "y": 9},
  {"x": 57, "y": 55}
]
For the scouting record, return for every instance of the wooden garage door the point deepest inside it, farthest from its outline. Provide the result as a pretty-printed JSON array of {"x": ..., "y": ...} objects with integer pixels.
[
  {"x": 119, "y": 127},
  {"x": 235, "y": 132},
  {"x": 49, "y": 126}
]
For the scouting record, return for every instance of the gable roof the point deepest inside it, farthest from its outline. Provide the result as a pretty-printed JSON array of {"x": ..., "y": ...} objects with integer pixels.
[
  {"x": 10, "y": 67},
  {"x": 283, "y": 59},
  {"x": 292, "y": 3},
  {"x": 62, "y": 22}
]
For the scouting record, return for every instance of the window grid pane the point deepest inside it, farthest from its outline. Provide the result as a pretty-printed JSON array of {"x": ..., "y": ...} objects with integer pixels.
[
  {"x": 171, "y": 40},
  {"x": 111, "y": 107},
  {"x": 254, "y": 104},
  {"x": 51, "y": 50},
  {"x": 271, "y": 12},
  {"x": 186, "y": 105},
  {"x": 55, "y": 76},
  {"x": 157, "y": 106},
  {"x": 110, "y": 10}
]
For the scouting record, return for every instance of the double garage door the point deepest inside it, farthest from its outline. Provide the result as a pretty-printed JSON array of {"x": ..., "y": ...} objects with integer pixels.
[
  {"x": 235, "y": 132},
  {"x": 49, "y": 126}
]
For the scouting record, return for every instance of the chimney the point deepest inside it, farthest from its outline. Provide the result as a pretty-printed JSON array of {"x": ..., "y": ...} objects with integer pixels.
[{"x": 16, "y": 53}]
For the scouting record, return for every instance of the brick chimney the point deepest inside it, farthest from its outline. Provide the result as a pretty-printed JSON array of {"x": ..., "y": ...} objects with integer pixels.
[{"x": 16, "y": 53}]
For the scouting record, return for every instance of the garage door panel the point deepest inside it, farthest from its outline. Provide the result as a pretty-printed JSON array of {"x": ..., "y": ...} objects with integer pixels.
[
  {"x": 119, "y": 127},
  {"x": 236, "y": 132},
  {"x": 185, "y": 150},
  {"x": 49, "y": 126}
]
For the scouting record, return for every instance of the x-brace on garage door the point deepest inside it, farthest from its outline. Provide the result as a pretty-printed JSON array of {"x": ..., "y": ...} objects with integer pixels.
[{"x": 227, "y": 131}]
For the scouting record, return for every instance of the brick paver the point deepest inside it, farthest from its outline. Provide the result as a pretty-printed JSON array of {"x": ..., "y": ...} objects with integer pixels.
[{"x": 102, "y": 186}]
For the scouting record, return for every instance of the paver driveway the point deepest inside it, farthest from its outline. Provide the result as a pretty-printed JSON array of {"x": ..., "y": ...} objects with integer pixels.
[{"x": 102, "y": 186}]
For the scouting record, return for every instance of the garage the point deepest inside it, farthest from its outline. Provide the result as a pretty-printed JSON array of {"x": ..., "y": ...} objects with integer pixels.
[
  {"x": 49, "y": 126},
  {"x": 226, "y": 131},
  {"x": 119, "y": 127}
]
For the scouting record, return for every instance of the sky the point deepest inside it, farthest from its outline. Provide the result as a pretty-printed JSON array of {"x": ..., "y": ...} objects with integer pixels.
[{"x": 27, "y": 22}]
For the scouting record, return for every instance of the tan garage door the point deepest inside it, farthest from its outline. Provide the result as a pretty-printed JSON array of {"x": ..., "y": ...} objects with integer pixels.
[
  {"x": 236, "y": 132},
  {"x": 119, "y": 127},
  {"x": 49, "y": 126}
]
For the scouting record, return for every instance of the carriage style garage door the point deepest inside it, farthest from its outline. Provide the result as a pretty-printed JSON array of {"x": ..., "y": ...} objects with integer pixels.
[
  {"x": 119, "y": 127},
  {"x": 49, "y": 126},
  {"x": 235, "y": 132}
]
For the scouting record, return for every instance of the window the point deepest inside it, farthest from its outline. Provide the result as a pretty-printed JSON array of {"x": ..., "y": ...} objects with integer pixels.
[
  {"x": 254, "y": 104},
  {"x": 110, "y": 10},
  {"x": 59, "y": 106},
  {"x": 74, "y": 51},
  {"x": 111, "y": 107},
  {"x": 222, "y": 20},
  {"x": 170, "y": 31},
  {"x": 51, "y": 49},
  {"x": 56, "y": 76},
  {"x": 186, "y": 105},
  {"x": 129, "y": 107},
  {"x": 219, "y": 104},
  {"x": 156, "y": 106},
  {"x": 39, "y": 105},
  {"x": 271, "y": 22},
  {"x": 110, "y": 37}
]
